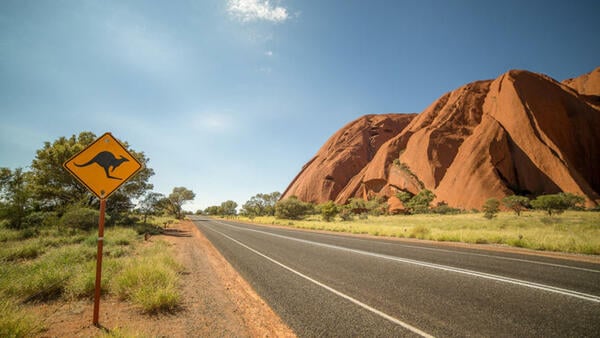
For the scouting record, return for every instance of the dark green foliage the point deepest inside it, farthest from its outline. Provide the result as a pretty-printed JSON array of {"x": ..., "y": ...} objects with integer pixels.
[
  {"x": 228, "y": 208},
  {"x": 213, "y": 210},
  {"x": 80, "y": 218},
  {"x": 516, "y": 203},
  {"x": 419, "y": 204},
  {"x": 404, "y": 196},
  {"x": 15, "y": 197},
  {"x": 173, "y": 204},
  {"x": 443, "y": 208},
  {"x": 150, "y": 204},
  {"x": 55, "y": 189},
  {"x": 491, "y": 208},
  {"x": 328, "y": 210},
  {"x": 292, "y": 208},
  {"x": 557, "y": 203}
]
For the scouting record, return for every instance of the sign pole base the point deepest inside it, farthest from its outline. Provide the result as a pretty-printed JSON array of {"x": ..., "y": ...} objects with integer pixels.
[{"x": 95, "y": 320}]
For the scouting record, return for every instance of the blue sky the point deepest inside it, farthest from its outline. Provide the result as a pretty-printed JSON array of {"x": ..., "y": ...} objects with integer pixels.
[{"x": 231, "y": 98}]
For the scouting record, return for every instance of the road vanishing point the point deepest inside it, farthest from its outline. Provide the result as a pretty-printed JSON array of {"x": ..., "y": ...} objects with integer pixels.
[{"x": 324, "y": 284}]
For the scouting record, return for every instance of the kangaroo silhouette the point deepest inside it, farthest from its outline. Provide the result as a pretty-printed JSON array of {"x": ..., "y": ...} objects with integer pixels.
[{"x": 106, "y": 160}]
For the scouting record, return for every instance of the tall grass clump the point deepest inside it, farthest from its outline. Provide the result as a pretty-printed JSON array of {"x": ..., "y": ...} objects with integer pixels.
[
  {"x": 14, "y": 322},
  {"x": 150, "y": 280}
]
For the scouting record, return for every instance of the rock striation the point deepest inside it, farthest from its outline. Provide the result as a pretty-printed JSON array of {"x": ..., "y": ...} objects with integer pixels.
[{"x": 522, "y": 133}]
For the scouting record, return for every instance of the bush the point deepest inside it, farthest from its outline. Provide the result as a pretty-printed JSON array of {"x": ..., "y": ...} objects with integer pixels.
[
  {"x": 292, "y": 208},
  {"x": 345, "y": 214},
  {"x": 444, "y": 209},
  {"x": 328, "y": 210},
  {"x": 491, "y": 208},
  {"x": 377, "y": 206},
  {"x": 419, "y": 204},
  {"x": 80, "y": 218}
]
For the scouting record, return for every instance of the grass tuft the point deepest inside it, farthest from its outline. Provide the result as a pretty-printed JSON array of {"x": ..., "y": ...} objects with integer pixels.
[
  {"x": 150, "y": 281},
  {"x": 14, "y": 322}
]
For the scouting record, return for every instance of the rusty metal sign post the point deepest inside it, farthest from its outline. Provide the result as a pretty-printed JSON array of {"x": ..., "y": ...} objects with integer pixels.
[{"x": 97, "y": 167}]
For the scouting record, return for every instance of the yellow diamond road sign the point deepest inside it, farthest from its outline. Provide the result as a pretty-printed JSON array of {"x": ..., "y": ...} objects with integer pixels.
[{"x": 103, "y": 166}]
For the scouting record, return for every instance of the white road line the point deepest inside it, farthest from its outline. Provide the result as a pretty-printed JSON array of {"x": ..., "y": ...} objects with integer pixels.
[
  {"x": 328, "y": 288},
  {"x": 470, "y": 254},
  {"x": 566, "y": 292}
]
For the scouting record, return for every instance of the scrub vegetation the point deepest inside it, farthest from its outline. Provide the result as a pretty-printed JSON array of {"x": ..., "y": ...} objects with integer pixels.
[
  {"x": 61, "y": 265},
  {"x": 572, "y": 231}
]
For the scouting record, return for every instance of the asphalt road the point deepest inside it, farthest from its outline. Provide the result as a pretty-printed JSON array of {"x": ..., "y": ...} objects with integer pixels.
[{"x": 334, "y": 285}]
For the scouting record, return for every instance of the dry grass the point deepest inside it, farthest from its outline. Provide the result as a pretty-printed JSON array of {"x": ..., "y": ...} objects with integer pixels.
[
  {"x": 572, "y": 231},
  {"x": 61, "y": 265}
]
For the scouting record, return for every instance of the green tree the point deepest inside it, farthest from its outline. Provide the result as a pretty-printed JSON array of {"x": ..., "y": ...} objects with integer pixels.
[
  {"x": 419, "y": 204},
  {"x": 228, "y": 208},
  {"x": 328, "y": 210},
  {"x": 292, "y": 208},
  {"x": 516, "y": 203},
  {"x": 15, "y": 197},
  {"x": 150, "y": 204},
  {"x": 557, "y": 203},
  {"x": 261, "y": 204},
  {"x": 177, "y": 198},
  {"x": 55, "y": 189},
  {"x": 491, "y": 208},
  {"x": 212, "y": 210}
]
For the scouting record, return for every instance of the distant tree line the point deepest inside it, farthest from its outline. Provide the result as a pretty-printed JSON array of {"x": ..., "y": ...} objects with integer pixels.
[
  {"x": 46, "y": 194},
  {"x": 421, "y": 203}
]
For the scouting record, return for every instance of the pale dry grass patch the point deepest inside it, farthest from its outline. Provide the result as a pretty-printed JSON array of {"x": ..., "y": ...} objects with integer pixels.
[{"x": 572, "y": 231}]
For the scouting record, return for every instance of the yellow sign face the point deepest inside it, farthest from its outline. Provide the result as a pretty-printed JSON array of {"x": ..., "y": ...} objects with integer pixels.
[{"x": 103, "y": 166}]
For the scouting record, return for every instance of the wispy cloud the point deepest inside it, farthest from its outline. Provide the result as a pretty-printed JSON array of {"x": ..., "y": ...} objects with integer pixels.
[
  {"x": 269, "y": 53},
  {"x": 254, "y": 10},
  {"x": 213, "y": 122}
]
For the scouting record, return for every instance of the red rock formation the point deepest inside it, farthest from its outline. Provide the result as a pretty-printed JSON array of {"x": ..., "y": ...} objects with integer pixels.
[
  {"x": 586, "y": 84},
  {"x": 346, "y": 153},
  {"x": 521, "y": 133}
]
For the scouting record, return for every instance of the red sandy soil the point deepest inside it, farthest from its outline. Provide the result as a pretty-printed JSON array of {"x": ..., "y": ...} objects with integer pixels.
[{"x": 217, "y": 302}]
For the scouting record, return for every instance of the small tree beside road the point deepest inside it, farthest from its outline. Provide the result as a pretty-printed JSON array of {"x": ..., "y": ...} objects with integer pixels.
[{"x": 177, "y": 198}]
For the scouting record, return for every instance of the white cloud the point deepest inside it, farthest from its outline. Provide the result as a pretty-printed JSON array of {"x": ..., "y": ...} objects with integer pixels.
[
  {"x": 269, "y": 53},
  {"x": 213, "y": 122},
  {"x": 253, "y": 10}
]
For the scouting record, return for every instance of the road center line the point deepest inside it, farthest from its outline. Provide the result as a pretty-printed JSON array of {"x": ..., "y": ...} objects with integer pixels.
[
  {"x": 330, "y": 289},
  {"x": 548, "y": 288}
]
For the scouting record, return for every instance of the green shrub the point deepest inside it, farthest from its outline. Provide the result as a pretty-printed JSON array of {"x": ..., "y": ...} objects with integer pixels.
[
  {"x": 292, "y": 208},
  {"x": 328, "y": 210},
  {"x": 80, "y": 218},
  {"x": 491, "y": 208},
  {"x": 443, "y": 208}
]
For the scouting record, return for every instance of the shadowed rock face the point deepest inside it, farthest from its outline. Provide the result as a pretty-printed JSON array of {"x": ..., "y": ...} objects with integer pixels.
[{"x": 522, "y": 133}]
